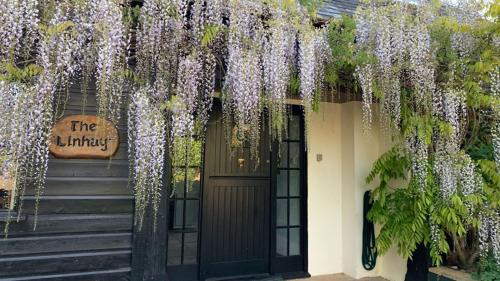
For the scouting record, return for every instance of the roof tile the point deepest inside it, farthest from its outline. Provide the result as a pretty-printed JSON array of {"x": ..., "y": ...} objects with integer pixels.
[{"x": 335, "y": 8}]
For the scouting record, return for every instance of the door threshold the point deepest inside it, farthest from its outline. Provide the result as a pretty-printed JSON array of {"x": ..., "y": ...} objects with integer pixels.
[{"x": 252, "y": 277}]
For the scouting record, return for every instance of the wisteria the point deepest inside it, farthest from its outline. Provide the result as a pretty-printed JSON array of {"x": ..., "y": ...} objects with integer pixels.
[
  {"x": 314, "y": 53},
  {"x": 436, "y": 235},
  {"x": 147, "y": 144},
  {"x": 365, "y": 77},
  {"x": 399, "y": 41},
  {"x": 449, "y": 105},
  {"x": 260, "y": 49},
  {"x": 187, "y": 94},
  {"x": 24, "y": 137},
  {"x": 416, "y": 61},
  {"x": 278, "y": 55},
  {"x": 204, "y": 14},
  {"x": 420, "y": 159},
  {"x": 495, "y": 90},
  {"x": 111, "y": 41},
  {"x": 401, "y": 52},
  {"x": 421, "y": 57},
  {"x": 158, "y": 37},
  {"x": 489, "y": 235},
  {"x": 18, "y": 28},
  {"x": 466, "y": 12},
  {"x": 243, "y": 93},
  {"x": 57, "y": 55},
  {"x": 243, "y": 85}
]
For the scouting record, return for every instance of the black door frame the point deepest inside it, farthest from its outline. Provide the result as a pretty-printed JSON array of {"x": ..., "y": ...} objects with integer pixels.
[
  {"x": 285, "y": 266},
  {"x": 150, "y": 247}
]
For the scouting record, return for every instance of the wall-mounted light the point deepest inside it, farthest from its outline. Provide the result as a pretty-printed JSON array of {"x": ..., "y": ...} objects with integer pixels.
[
  {"x": 241, "y": 162},
  {"x": 319, "y": 157}
]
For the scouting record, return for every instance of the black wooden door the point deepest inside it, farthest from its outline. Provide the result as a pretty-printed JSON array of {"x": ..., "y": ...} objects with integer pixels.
[{"x": 236, "y": 207}]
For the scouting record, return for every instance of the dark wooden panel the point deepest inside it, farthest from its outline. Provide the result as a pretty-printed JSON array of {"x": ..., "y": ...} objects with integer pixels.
[
  {"x": 91, "y": 102},
  {"x": 87, "y": 168},
  {"x": 65, "y": 243},
  {"x": 121, "y": 274},
  {"x": 85, "y": 217},
  {"x": 224, "y": 160},
  {"x": 72, "y": 224},
  {"x": 85, "y": 186},
  {"x": 236, "y": 228},
  {"x": 79, "y": 205},
  {"x": 77, "y": 109},
  {"x": 236, "y": 206},
  {"x": 66, "y": 262}
]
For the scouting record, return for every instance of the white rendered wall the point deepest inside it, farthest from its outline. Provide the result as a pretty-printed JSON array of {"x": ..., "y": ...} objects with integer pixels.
[
  {"x": 336, "y": 185},
  {"x": 324, "y": 215}
]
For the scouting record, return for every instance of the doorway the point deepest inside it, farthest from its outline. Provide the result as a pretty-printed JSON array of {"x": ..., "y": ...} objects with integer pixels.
[
  {"x": 235, "y": 231},
  {"x": 233, "y": 216}
]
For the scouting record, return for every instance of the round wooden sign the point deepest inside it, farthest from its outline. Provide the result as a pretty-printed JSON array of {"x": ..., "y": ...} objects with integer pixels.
[{"x": 84, "y": 136}]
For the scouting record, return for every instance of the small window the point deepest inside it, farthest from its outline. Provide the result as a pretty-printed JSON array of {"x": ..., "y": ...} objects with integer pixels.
[
  {"x": 289, "y": 190},
  {"x": 184, "y": 204},
  {"x": 6, "y": 186}
]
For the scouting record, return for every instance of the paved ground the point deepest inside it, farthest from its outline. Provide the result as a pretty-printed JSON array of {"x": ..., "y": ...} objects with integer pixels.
[{"x": 340, "y": 277}]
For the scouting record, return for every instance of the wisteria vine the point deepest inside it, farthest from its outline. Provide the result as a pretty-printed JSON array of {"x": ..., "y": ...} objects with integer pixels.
[
  {"x": 176, "y": 47},
  {"x": 415, "y": 60},
  {"x": 147, "y": 144},
  {"x": 167, "y": 56}
]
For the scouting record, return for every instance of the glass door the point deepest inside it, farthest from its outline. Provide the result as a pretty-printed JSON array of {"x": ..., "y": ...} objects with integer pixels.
[
  {"x": 289, "y": 253},
  {"x": 184, "y": 210}
]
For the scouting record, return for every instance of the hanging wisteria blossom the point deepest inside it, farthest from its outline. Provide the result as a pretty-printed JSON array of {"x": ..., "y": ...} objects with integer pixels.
[
  {"x": 110, "y": 35},
  {"x": 418, "y": 148},
  {"x": 243, "y": 85},
  {"x": 278, "y": 59},
  {"x": 394, "y": 38},
  {"x": 489, "y": 235},
  {"x": 18, "y": 28},
  {"x": 415, "y": 61},
  {"x": 147, "y": 142},
  {"x": 365, "y": 77},
  {"x": 253, "y": 41},
  {"x": 159, "y": 35},
  {"x": 186, "y": 100},
  {"x": 314, "y": 54},
  {"x": 24, "y": 137},
  {"x": 495, "y": 129}
]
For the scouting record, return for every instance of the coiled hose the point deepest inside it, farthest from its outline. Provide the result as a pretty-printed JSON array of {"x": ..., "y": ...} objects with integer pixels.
[{"x": 369, "y": 255}]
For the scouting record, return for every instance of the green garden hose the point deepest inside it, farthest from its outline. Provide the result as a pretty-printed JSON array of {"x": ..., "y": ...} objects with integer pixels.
[{"x": 369, "y": 255}]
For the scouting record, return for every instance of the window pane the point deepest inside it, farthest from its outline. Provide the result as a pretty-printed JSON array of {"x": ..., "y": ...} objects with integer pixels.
[
  {"x": 191, "y": 214},
  {"x": 294, "y": 129},
  {"x": 294, "y": 241},
  {"x": 281, "y": 212},
  {"x": 5, "y": 198},
  {"x": 294, "y": 211},
  {"x": 176, "y": 213},
  {"x": 294, "y": 183},
  {"x": 194, "y": 178},
  {"x": 178, "y": 175},
  {"x": 190, "y": 248},
  {"x": 174, "y": 248},
  {"x": 281, "y": 242},
  {"x": 294, "y": 155},
  {"x": 282, "y": 183},
  {"x": 283, "y": 157},
  {"x": 195, "y": 153}
]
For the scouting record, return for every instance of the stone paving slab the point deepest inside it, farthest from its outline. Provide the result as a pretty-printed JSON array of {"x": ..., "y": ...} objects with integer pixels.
[{"x": 340, "y": 277}]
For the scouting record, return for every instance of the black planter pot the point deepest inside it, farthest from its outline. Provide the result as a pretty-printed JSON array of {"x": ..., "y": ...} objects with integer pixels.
[{"x": 418, "y": 266}]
